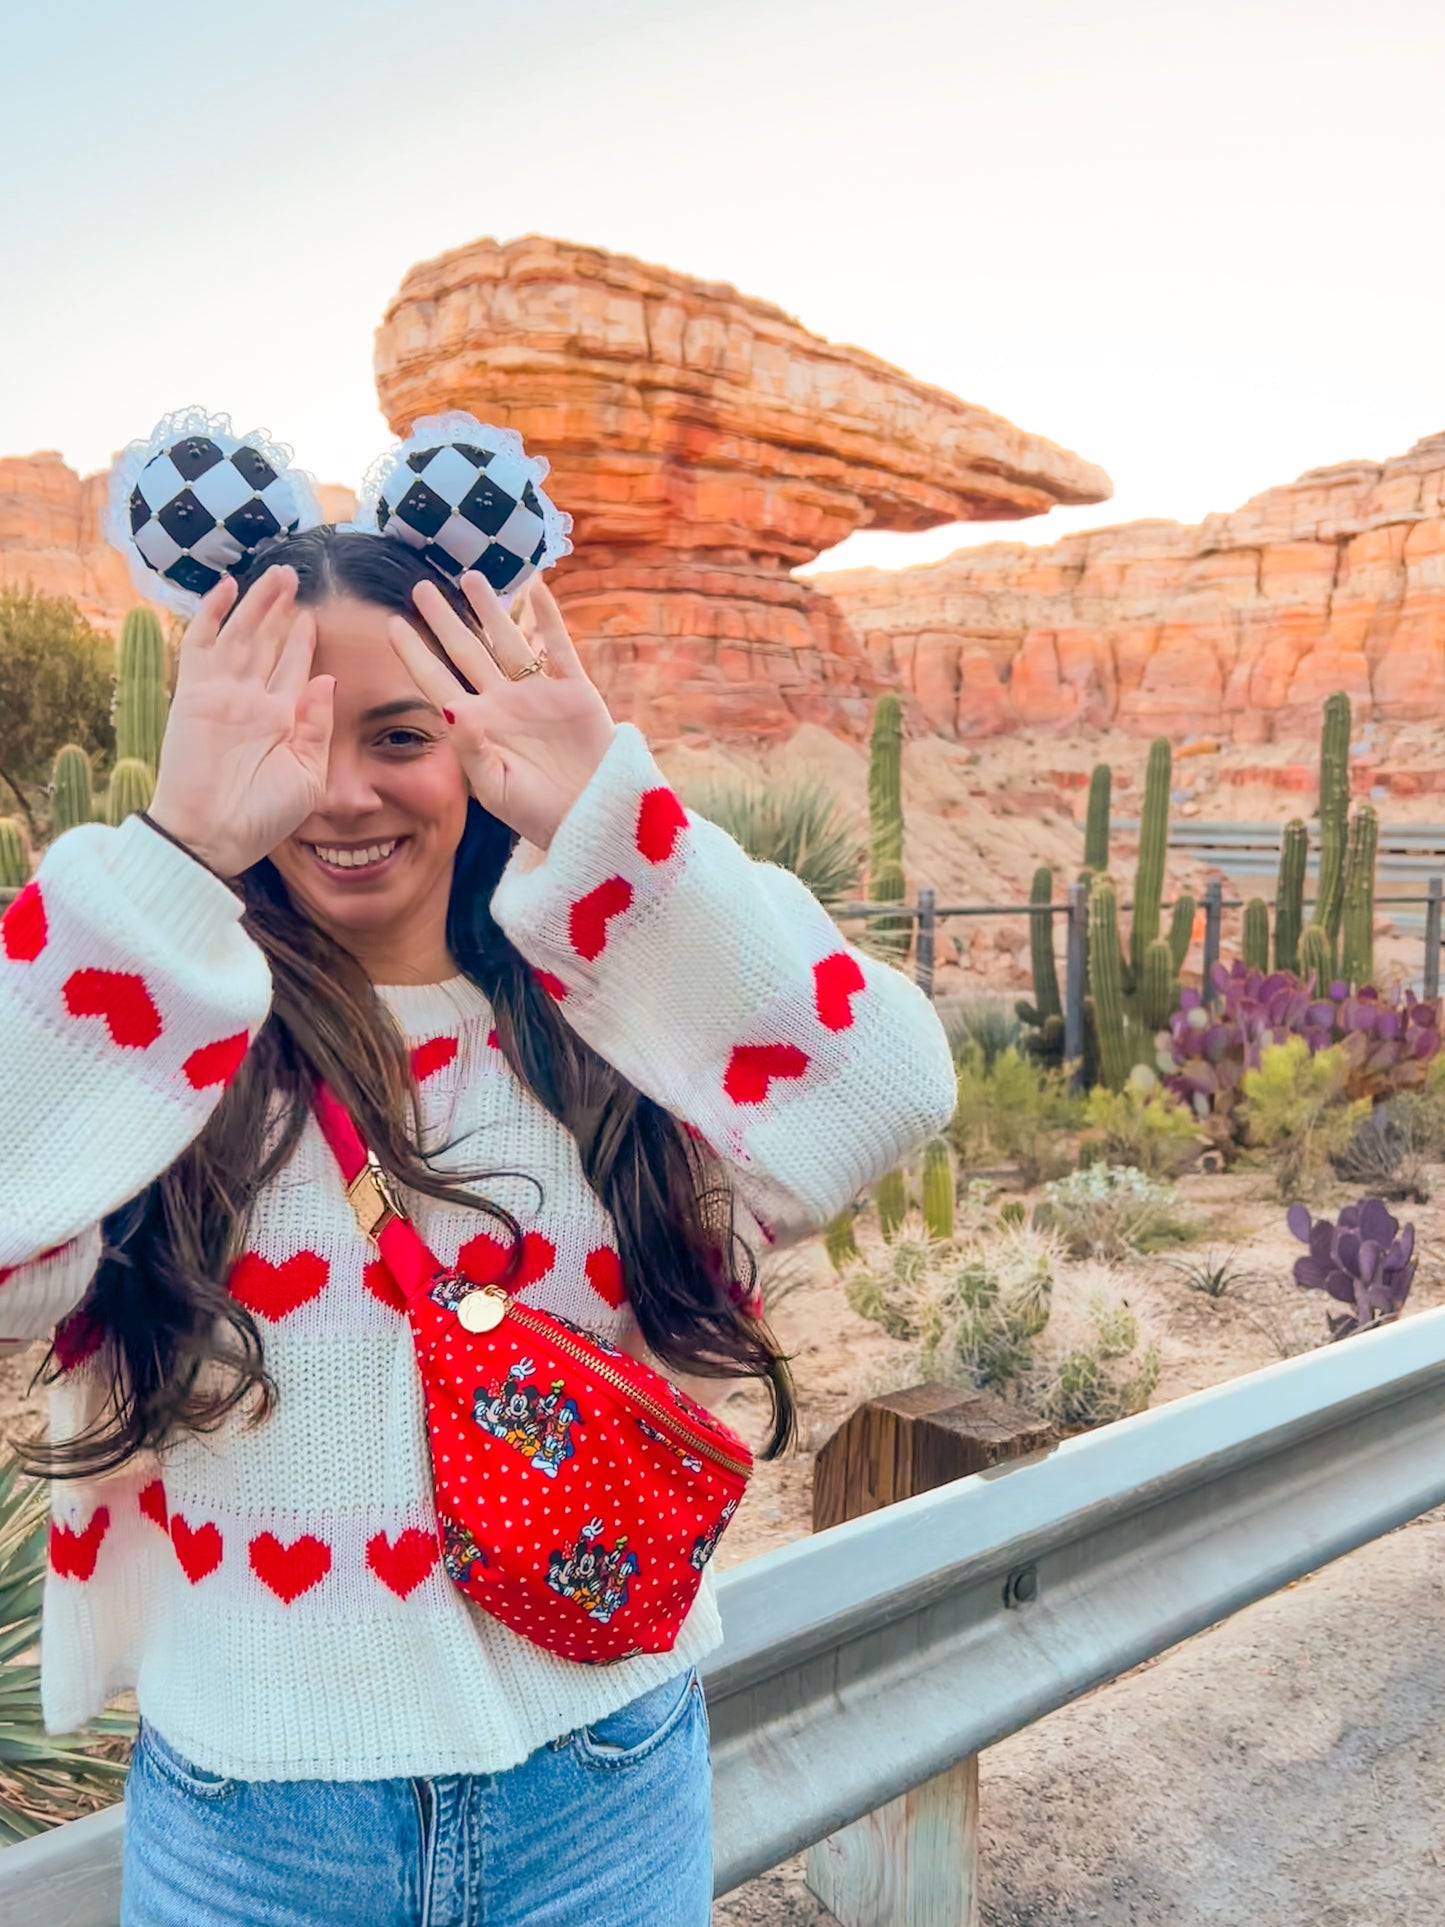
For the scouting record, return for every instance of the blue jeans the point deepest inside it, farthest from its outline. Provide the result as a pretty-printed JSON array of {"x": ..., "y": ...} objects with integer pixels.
[{"x": 609, "y": 1826}]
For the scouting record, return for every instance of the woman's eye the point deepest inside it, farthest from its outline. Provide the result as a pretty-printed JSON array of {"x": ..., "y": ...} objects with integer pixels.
[{"x": 405, "y": 739}]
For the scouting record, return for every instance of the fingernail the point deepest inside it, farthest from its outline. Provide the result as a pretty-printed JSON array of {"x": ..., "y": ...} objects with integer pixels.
[{"x": 449, "y": 716}]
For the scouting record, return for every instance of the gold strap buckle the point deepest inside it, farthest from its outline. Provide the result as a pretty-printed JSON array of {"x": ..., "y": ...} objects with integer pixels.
[{"x": 369, "y": 1195}]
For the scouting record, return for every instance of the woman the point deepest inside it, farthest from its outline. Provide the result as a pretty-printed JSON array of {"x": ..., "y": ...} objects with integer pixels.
[{"x": 386, "y": 848}]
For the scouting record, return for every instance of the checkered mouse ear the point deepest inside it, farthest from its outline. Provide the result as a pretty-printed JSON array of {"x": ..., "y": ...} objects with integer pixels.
[
  {"x": 468, "y": 497},
  {"x": 196, "y": 498}
]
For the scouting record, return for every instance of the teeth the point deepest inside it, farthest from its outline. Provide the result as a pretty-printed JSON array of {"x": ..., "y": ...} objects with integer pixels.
[{"x": 356, "y": 859}]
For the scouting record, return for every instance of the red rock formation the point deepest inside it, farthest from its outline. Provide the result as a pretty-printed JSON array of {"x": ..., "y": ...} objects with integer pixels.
[
  {"x": 705, "y": 444},
  {"x": 1239, "y": 626}
]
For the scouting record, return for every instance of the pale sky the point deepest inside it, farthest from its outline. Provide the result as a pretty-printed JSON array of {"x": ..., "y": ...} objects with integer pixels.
[{"x": 1199, "y": 241}]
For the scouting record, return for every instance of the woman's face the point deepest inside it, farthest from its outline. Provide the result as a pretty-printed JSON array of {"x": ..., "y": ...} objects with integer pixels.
[{"x": 373, "y": 864}]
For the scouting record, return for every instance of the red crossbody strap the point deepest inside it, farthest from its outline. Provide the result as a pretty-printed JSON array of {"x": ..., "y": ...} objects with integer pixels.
[{"x": 379, "y": 1216}]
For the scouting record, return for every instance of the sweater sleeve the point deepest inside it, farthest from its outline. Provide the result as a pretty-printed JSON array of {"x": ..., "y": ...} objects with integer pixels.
[
  {"x": 720, "y": 988},
  {"x": 129, "y": 994}
]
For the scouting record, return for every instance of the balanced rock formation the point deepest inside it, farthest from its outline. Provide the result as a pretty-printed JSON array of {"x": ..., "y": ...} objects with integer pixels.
[
  {"x": 1238, "y": 627},
  {"x": 705, "y": 445}
]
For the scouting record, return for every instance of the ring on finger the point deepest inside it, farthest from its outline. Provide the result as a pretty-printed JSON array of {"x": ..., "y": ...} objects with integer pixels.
[{"x": 537, "y": 663}]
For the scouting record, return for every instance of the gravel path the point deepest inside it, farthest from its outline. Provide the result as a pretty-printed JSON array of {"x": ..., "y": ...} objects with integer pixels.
[{"x": 1286, "y": 1769}]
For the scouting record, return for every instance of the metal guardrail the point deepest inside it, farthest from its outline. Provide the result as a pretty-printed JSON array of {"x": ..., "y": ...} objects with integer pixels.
[{"x": 861, "y": 1662}]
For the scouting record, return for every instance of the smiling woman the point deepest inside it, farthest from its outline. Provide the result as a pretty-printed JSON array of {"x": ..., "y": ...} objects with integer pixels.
[{"x": 403, "y": 875}]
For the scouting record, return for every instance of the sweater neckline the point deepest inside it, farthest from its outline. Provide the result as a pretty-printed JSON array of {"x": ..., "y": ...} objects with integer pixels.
[{"x": 422, "y": 1010}]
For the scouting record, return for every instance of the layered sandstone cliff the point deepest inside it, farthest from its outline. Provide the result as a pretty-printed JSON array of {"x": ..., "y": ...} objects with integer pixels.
[
  {"x": 705, "y": 444},
  {"x": 1237, "y": 627}
]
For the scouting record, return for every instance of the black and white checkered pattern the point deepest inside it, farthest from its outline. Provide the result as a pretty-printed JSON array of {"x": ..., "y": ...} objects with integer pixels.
[
  {"x": 467, "y": 505},
  {"x": 202, "y": 504}
]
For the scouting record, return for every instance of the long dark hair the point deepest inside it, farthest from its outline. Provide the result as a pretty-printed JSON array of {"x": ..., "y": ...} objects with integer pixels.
[{"x": 182, "y": 1353}]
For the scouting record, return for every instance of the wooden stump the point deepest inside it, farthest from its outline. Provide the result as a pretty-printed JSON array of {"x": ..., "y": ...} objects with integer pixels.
[{"x": 913, "y": 1863}]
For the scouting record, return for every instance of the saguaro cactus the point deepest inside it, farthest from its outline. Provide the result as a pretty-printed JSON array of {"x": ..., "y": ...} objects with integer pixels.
[
  {"x": 1289, "y": 894},
  {"x": 1047, "y": 1002},
  {"x": 1096, "y": 822},
  {"x": 131, "y": 788},
  {"x": 938, "y": 1189},
  {"x": 1357, "y": 947},
  {"x": 1106, "y": 982},
  {"x": 885, "y": 822},
  {"x": 892, "y": 1196},
  {"x": 72, "y": 799},
  {"x": 1314, "y": 957},
  {"x": 14, "y": 854},
  {"x": 1256, "y": 934},
  {"x": 141, "y": 702},
  {"x": 1334, "y": 811},
  {"x": 1181, "y": 929},
  {"x": 1159, "y": 991},
  {"x": 1153, "y": 842}
]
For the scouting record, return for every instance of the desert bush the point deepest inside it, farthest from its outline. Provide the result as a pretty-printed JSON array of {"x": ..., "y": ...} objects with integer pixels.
[
  {"x": 44, "y": 1778},
  {"x": 801, "y": 828},
  {"x": 991, "y": 1024},
  {"x": 1215, "y": 1274},
  {"x": 56, "y": 679},
  {"x": 1383, "y": 1156},
  {"x": 1299, "y": 1110},
  {"x": 1365, "y": 1261},
  {"x": 1107, "y": 1211},
  {"x": 1144, "y": 1125},
  {"x": 1015, "y": 1110}
]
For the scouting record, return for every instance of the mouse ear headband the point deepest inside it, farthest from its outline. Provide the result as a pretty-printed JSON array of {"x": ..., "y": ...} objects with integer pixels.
[{"x": 195, "y": 499}]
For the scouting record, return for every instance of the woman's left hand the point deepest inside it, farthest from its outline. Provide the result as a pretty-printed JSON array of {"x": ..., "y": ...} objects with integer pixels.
[{"x": 529, "y": 741}]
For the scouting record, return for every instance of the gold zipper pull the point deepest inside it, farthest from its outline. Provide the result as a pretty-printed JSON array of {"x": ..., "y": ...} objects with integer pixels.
[{"x": 484, "y": 1309}]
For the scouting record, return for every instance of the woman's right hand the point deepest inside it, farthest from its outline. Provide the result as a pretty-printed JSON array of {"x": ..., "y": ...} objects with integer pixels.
[{"x": 243, "y": 760}]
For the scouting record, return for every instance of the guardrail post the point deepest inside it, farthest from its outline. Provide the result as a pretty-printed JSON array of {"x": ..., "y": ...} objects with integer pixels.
[
  {"x": 923, "y": 948},
  {"x": 1432, "y": 939},
  {"x": 1076, "y": 964},
  {"x": 1213, "y": 917}
]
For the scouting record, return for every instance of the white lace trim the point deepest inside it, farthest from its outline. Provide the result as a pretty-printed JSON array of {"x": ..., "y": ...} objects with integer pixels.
[
  {"x": 456, "y": 425},
  {"x": 172, "y": 428}
]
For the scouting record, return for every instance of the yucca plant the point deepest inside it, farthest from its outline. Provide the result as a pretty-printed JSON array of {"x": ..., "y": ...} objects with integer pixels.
[
  {"x": 800, "y": 828},
  {"x": 44, "y": 1778}
]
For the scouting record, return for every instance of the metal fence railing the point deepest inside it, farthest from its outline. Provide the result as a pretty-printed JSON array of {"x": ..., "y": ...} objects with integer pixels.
[{"x": 863, "y": 1661}]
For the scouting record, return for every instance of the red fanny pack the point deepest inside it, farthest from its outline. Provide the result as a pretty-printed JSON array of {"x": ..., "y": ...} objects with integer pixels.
[{"x": 579, "y": 1493}]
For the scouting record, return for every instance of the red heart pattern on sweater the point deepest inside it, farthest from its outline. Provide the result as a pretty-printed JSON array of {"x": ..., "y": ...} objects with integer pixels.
[
  {"x": 483, "y": 1259},
  {"x": 152, "y": 1502},
  {"x": 272, "y": 1291},
  {"x": 216, "y": 1063},
  {"x": 837, "y": 979},
  {"x": 76, "y": 1338},
  {"x": 588, "y": 917},
  {"x": 24, "y": 930},
  {"x": 402, "y": 1563},
  {"x": 198, "y": 1548},
  {"x": 289, "y": 1571},
  {"x": 551, "y": 983},
  {"x": 432, "y": 1056},
  {"x": 661, "y": 819},
  {"x": 383, "y": 1287},
  {"x": 121, "y": 999},
  {"x": 73, "y": 1554},
  {"x": 752, "y": 1067},
  {"x": 604, "y": 1274}
]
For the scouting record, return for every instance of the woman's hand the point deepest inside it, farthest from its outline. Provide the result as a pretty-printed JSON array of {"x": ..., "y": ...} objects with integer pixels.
[
  {"x": 243, "y": 760},
  {"x": 529, "y": 742}
]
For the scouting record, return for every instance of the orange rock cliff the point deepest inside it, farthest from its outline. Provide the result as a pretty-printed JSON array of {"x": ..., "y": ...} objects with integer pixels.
[
  {"x": 705, "y": 445},
  {"x": 1239, "y": 627}
]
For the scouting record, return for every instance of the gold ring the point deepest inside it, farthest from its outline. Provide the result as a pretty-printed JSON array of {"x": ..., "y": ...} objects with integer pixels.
[{"x": 516, "y": 675}]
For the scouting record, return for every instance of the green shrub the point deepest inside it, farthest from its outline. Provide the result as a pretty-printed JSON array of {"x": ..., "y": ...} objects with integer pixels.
[
  {"x": 1143, "y": 1125},
  {"x": 992, "y": 1024},
  {"x": 56, "y": 678},
  {"x": 1110, "y": 1210},
  {"x": 1015, "y": 1110},
  {"x": 801, "y": 828},
  {"x": 1298, "y": 1110}
]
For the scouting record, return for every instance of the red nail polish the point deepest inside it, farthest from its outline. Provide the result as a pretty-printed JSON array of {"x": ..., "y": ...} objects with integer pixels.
[{"x": 449, "y": 716}]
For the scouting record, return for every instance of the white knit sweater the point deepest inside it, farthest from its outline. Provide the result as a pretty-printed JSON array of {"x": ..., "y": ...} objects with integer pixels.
[{"x": 254, "y": 1586}]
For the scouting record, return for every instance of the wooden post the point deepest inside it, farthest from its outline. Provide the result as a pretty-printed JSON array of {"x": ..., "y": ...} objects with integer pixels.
[
  {"x": 1213, "y": 918},
  {"x": 1076, "y": 965},
  {"x": 1432, "y": 940},
  {"x": 913, "y": 1863},
  {"x": 923, "y": 949}
]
